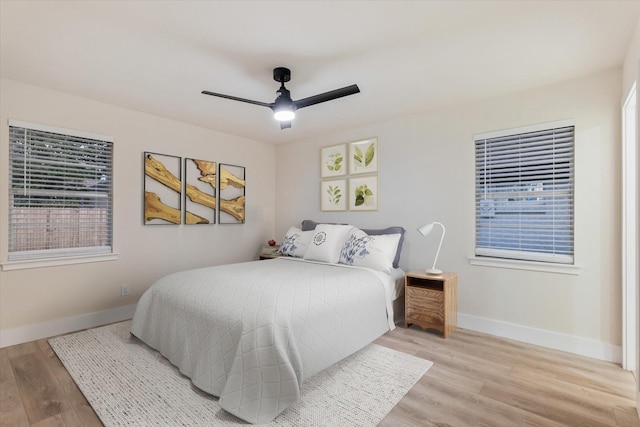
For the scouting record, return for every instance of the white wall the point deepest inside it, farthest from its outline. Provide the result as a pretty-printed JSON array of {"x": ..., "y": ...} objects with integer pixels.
[
  {"x": 631, "y": 74},
  {"x": 426, "y": 173},
  {"x": 630, "y": 66},
  {"x": 29, "y": 297}
]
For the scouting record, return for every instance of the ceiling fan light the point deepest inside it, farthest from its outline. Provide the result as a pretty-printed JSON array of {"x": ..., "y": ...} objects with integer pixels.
[{"x": 284, "y": 115}]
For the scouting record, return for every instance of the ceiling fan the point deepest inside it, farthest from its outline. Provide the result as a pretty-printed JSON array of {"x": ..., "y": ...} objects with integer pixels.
[{"x": 284, "y": 107}]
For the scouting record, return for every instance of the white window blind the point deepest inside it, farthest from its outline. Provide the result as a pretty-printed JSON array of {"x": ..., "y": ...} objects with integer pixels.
[
  {"x": 525, "y": 195},
  {"x": 60, "y": 193}
]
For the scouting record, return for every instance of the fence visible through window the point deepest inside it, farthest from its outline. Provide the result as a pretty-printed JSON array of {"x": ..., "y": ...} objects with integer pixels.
[{"x": 58, "y": 228}]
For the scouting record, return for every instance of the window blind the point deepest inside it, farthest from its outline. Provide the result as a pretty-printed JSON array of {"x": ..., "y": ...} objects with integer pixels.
[
  {"x": 60, "y": 194},
  {"x": 525, "y": 195}
]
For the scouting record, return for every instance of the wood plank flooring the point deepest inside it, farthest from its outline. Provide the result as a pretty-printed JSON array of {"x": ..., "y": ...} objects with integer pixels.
[{"x": 476, "y": 380}]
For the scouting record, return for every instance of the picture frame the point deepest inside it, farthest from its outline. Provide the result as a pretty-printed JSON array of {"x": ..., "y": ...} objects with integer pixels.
[
  {"x": 200, "y": 201},
  {"x": 333, "y": 195},
  {"x": 231, "y": 184},
  {"x": 363, "y": 193},
  {"x": 162, "y": 189},
  {"x": 333, "y": 161},
  {"x": 363, "y": 156}
]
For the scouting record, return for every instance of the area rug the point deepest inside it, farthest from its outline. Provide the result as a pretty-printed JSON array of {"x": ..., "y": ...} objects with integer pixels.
[{"x": 129, "y": 384}]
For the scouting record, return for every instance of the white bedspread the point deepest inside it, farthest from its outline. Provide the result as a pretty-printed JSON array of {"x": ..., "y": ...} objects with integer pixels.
[{"x": 251, "y": 333}]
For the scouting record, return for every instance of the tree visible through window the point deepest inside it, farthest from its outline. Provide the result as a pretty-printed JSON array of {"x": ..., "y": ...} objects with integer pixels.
[
  {"x": 60, "y": 195},
  {"x": 524, "y": 194}
]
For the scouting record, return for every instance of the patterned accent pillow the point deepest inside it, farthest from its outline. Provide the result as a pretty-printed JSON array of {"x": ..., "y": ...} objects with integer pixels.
[
  {"x": 295, "y": 242},
  {"x": 354, "y": 246},
  {"x": 327, "y": 243},
  {"x": 363, "y": 250},
  {"x": 309, "y": 224}
]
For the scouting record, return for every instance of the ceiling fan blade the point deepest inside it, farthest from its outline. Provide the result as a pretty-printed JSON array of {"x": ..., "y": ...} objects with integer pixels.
[
  {"x": 285, "y": 125},
  {"x": 327, "y": 96},
  {"x": 235, "y": 98}
]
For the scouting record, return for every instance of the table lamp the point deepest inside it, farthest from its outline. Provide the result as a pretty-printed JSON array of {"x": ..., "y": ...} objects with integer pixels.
[{"x": 425, "y": 230}]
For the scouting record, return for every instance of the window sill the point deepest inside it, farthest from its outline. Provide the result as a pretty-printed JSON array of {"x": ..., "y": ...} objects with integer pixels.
[
  {"x": 525, "y": 265},
  {"x": 54, "y": 262}
]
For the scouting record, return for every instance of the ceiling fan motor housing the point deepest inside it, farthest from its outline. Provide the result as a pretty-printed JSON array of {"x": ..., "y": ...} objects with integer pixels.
[{"x": 281, "y": 74}]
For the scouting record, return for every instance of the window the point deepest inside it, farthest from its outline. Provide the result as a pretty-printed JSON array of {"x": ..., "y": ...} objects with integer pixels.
[
  {"x": 60, "y": 193},
  {"x": 525, "y": 192}
]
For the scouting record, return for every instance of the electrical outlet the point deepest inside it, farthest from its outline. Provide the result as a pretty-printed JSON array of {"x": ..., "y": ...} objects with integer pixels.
[{"x": 124, "y": 290}]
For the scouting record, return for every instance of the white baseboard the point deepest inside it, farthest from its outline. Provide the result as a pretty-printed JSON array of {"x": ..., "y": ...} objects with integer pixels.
[
  {"x": 65, "y": 325},
  {"x": 569, "y": 343}
]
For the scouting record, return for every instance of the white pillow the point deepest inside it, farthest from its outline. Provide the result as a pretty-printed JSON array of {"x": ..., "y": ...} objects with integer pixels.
[
  {"x": 376, "y": 252},
  {"x": 327, "y": 242},
  {"x": 295, "y": 242}
]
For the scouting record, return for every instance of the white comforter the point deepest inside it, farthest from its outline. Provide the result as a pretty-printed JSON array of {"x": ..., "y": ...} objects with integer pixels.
[{"x": 250, "y": 333}]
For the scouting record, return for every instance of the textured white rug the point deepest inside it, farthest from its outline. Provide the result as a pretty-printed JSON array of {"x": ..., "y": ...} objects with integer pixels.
[{"x": 130, "y": 384}]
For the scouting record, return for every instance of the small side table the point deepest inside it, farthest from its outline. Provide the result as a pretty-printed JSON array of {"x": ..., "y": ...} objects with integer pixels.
[
  {"x": 269, "y": 256},
  {"x": 269, "y": 252},
  {"x": 431, "y": 301}
]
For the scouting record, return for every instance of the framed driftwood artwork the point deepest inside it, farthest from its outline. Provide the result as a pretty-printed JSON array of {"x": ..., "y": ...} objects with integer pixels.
[
  {"x": 232, "y": 192},
  {"x": 200, "y": 191},
  {"x": 363, "y": 156},
  {"x": 333, "y": 195},
  {"x": 363, "y": 193},
  {"x": 162, "y": 189},
  {"x": 333, "y": 160}
]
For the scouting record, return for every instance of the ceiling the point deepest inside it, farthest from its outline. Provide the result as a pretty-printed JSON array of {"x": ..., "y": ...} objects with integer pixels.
[{"x": 406, "y": 56}]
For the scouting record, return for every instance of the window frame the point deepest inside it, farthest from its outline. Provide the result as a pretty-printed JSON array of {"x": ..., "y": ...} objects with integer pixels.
[
  {"x": 63, "y": 256},
  {"x": 491, "y": 256}
]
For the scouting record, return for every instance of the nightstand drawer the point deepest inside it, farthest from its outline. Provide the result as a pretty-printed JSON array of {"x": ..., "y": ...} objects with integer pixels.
[
  {"x": 424, "y": 297},
  {"x": 425, "y": 306}
]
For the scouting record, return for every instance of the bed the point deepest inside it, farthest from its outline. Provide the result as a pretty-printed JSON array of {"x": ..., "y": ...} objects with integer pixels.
[{"x": 251, "y": 333}]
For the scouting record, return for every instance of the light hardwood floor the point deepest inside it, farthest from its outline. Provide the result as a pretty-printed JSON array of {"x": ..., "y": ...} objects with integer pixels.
[{"x": 476, "y": 380}]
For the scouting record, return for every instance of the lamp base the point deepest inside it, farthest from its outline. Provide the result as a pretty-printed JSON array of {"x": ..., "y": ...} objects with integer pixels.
[{"x": 433, "y": 272}]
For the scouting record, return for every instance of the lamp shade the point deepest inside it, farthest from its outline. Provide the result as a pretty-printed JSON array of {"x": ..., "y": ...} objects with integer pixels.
[{"x": 425, "y": 230}]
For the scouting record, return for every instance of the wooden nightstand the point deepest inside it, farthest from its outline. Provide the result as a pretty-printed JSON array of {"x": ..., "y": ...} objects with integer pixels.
[{"x": 431, "y": 301}]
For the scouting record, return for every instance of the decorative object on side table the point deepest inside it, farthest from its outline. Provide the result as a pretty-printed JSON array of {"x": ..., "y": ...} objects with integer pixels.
[
  {"x": 425, "y": 230},
  {"x": 431, "y": 302},
  {"x": 270, "y": 250}
]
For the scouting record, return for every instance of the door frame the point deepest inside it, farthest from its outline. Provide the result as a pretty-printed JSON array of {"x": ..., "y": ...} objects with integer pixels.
[{"x": 630, "y": 231}]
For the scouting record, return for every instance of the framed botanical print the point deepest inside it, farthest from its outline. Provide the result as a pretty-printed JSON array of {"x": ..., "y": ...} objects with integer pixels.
[
  {"x": 363, "y": 156},
  {"x": 363, "y": 193},
  {"x": 333, "y": 195},
  {"x": 162, "y": 189},
  {"x": 333, "y": 161}
]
